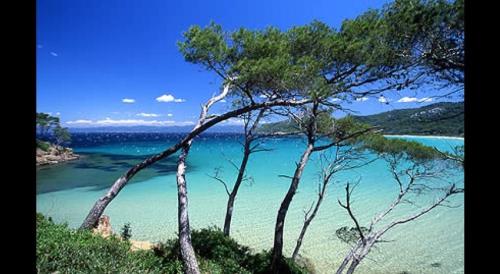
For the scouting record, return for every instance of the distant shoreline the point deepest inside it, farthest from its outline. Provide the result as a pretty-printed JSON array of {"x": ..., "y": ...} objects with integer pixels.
[{"x": 425, "y": 136}]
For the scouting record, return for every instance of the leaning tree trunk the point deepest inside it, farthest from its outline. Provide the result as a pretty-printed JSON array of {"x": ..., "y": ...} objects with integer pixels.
[
  {"x": 353, "y": 266},
  {"x": 345, "y": 262},
  {"x": 277, "y": 252},
  {"x": 239, "y": 179},
  {"x": 306, "y": 225},
  {"x": 101, "y": 204},
  {"x": 187, "y": 252}
]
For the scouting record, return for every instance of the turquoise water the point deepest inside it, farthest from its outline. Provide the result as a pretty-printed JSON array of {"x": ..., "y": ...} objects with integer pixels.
[{"x": 149, "y": 202}]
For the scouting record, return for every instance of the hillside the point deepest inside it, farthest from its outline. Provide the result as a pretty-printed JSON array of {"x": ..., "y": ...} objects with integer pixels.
[{"x": 444, "y": 119}]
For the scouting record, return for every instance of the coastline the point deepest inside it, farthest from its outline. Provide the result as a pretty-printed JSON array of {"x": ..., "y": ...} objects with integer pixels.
[
  {"x": 425, "y": 136},
  {"x": 54, "y": 154}
]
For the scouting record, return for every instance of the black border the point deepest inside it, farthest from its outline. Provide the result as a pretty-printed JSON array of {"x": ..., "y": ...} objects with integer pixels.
[{"x": 21, "y": 175}]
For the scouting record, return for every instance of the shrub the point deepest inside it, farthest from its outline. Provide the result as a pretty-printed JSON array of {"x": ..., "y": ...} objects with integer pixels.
[
  {"x": 62, "y": 249},
  {"x": 42, "y": 145},
  {"x": 59, "y": 248},
  {"x": 215, "y": 250},
  {"x": 126, "y": 232}
]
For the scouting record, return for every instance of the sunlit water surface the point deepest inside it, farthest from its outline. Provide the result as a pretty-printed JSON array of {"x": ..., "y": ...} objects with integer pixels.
[{"x": 432, "y": 244}]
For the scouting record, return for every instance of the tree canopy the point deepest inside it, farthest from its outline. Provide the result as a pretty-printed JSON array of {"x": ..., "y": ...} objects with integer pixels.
[
  {"x": 46, "y": 123},
  {"x": 312, "y": 61}
]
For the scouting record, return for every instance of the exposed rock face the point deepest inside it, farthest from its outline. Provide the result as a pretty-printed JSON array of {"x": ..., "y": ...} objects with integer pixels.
[
  {"x": 104, "y": 227},
  {"x": 54, "y": 154},
  {"x": 428, "y": 113}
]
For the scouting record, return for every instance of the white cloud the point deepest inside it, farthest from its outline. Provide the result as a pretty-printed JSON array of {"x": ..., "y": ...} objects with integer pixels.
[
  {"x": 128, "y": 122},
  {"x": 334, "y": 100},
  {"x": 382, "y": 99},
  {"x": 128, "y": 101},
  {"x": 79, "y": 122},
  {"x": 407, "y": 100},
  {"x": 132, "y": 122},
  {"x": 414, "y": 99},
  {"x": 54, "y": 54},
  {"x": 58, "y": 113},
  {"x": 223, "y": 101},
  {"x": 362, "y": 99},
  {"x": 170, "y": 115},
  {"x": 234, "y": 122},
  {"x": 147, "y": 114},
  {"x": 167, "y": 98}
]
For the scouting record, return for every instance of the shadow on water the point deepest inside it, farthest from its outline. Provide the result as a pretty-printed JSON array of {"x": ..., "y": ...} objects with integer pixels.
[{"x": 99, "y": 171}]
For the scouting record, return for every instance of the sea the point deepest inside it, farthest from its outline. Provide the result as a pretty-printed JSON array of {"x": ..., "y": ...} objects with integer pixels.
[{"x": 433, "y": 243}]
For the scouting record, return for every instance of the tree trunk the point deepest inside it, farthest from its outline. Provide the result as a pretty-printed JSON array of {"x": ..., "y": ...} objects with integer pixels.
[
  {"x": 277, "y": 252},
  {"x": 343, "y": 265},
  {"x": 353, "y": 266},
  {"x": 187, "y": 252},
  {"x": 306, "y": 225},
  {"x": 239, "y": 179},
  {"x": 101, "y": 204},
  {"x": 299, "y": 240}
]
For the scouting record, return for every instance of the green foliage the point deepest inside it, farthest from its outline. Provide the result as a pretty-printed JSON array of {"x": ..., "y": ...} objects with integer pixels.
[
  {"x": 59, "y": 248},
  {"x": 348, "y": 127},
  {"x": 61, "y": 134},
  {"x": 432, "y": 30},
  {"x": 395, "y": 147},
  {"x": 424, "y": 35},
  {"x": 126, "y": 232},
  {"x": 223, "y": 254},
  {"x": 44, "y": 121},
  {"x": 313, "y": 61},
  {"x": 286, "y": 126},
  {"x": 326, "y": 124},
  {"x": 323, "y": 121},
  {"x": 205, "y": 46},
  {"x": 350, "y": 235},
  {"x": 42, "y": 145}
]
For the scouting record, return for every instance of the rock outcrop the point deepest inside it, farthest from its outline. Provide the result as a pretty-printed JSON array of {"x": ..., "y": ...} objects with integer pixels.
[
  {"x": 104, "y": 229},
  {"x": 54, "y": 154}
]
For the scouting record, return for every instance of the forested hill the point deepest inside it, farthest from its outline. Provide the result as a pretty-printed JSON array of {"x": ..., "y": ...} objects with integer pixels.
[{"x": 444, "y": 119}]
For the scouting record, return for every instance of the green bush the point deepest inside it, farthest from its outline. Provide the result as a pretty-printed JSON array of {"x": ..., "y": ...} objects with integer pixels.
[
  {"x": 66, "y": 250},
  {"x": 42, "y": 145},
  {"x": 59, "y": 248},
  {"x": 216, "y": 250},
  {"x": 126, "y": 232}
]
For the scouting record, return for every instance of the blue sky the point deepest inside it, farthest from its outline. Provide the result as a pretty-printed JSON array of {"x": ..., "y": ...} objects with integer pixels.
[{"x": 93, "y": 54}]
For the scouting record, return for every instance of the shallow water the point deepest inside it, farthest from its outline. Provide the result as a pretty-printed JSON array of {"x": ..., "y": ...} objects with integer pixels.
[{"x": 149, "y": 202}]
